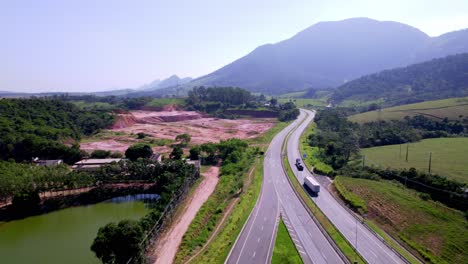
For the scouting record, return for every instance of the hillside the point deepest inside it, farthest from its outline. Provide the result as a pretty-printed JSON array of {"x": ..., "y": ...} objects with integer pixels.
[
  {"x": 328, "y": 54},
  {"x": 448, "y": 159},
  {"x": 452, "y": 108},
  {"x": 436, "y": 79}
]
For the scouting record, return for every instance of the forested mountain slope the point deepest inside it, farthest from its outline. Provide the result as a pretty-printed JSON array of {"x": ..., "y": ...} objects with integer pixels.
[{"x": 435, "y": 79}]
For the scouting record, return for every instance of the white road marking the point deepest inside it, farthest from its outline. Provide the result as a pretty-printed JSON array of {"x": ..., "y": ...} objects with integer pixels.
[
  {"x": 255, "y": 252},
  {"x": 262, "y": 227},
  {"x": 258, "y": 240}
]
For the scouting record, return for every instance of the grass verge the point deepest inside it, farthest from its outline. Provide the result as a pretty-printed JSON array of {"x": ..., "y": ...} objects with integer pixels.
[
  {"x": 285, "y": 252},
  {"x": 312, "y": 160},
  {"x": 332, "y": 231},
  {"x": 436, "y": 232},
  {"x": 209, "y": 216}
]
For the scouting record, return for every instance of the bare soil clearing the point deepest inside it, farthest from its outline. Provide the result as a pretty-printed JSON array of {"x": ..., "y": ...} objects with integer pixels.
[
  {"x": 166, "y": 248},
  {"x": 168, "y": 124}
]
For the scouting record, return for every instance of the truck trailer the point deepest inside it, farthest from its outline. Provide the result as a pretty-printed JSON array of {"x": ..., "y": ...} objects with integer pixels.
[{"x": 313, "y": 185}]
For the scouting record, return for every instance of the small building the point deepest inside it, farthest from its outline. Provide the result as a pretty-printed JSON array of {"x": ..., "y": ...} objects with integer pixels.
[
  {"x": 195, "y": 163},
  {"x": 41, "y": 162},
  {"x": 93, "y": 164}
]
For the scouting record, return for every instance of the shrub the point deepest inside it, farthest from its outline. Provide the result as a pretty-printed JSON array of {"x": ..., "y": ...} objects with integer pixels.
[
  {"x": 138, "y": 151},
  {"x": 100, "y": 154}
]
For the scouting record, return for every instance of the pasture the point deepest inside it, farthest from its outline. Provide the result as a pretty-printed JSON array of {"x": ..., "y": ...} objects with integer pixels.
[
  {"x": 437, "y": 232},
  {"x": 449, "y": 157},
  {"x": 452, "y": 108}
]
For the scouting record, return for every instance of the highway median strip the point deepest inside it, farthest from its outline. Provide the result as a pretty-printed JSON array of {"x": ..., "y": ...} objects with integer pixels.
[{"x": 335, "y": 237}]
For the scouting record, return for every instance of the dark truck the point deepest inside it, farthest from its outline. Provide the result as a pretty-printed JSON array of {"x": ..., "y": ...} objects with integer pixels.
[{"x": 299, "y": 165}]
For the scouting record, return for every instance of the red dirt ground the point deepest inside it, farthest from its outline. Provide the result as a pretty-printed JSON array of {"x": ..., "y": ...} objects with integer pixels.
[
  {"x": 168, "y": 244},
  {"x": 169, "y": 124}
]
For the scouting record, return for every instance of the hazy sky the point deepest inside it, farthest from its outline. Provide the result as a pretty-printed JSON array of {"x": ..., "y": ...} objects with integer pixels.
[{"x": 95, "y": 45}]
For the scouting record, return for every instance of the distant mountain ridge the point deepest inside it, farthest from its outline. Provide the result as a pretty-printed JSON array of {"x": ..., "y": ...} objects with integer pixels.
[
  {"x": 329, "y": 54},
  {"x": 173, "y": 80},
  {"x": 435, "y": 79}
]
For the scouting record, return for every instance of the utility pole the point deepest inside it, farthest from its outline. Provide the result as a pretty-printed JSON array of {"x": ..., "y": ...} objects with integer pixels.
[
  {"x": 407, "y": 146},
  {"x": 400, "y": 150},
  {"x": 430, "y": 161}
]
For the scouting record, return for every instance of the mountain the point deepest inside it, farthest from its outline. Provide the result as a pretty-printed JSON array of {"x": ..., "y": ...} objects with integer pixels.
[
  {"x": 435, "y": 79},
  {"x": 329, "y": 54},
  {"x": 173, "y": 80}
]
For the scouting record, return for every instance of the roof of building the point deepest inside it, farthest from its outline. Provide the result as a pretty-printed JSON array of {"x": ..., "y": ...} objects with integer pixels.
[
  {"x": 96, "y": 161},
  {"x": 48, "y": 162}
]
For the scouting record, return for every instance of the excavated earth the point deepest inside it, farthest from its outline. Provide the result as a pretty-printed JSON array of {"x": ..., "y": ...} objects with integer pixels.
[{"x": 169, "y": 124}]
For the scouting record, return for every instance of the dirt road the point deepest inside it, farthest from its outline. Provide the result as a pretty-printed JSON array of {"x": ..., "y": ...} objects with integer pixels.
[{"x": 167, "y": 247}]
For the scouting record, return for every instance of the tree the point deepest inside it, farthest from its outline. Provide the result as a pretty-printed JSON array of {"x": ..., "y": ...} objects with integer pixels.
[
  {"x": 138, "y": 151},
  {"x": 273, "y": 101},
  {"x": 100, "y": 154},
  {"x": 176, "y": 153},
  {"x": 184, "y": 139},
  {"x": 194, "y": 153},
  {"x": 117, "y": 243}
]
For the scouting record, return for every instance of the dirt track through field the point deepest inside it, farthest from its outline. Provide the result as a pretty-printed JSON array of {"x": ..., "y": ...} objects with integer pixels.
[{"x": 167, "y": 247}]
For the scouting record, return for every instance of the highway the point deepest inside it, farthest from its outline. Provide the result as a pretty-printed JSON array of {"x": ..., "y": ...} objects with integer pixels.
[
  {"x": 256, "y": 240},
  {"x": 368, "y": 245}
]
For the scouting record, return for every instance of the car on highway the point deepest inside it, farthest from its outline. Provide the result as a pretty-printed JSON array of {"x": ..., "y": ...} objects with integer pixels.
[{"x": 299, "y": 165}]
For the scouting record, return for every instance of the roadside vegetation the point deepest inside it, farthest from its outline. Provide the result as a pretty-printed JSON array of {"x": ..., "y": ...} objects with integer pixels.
[
  {"x": 343, "y": 244},
  {"x": 436, "y": 232},
  {"x": 312, "y": 160},
  {"x": 241, "y": 203},
  {"x": 235, "y": 164},
  {"x": 285, "y": 252}
]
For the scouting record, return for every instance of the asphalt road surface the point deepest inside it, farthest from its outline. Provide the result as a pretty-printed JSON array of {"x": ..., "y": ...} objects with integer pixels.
[
  {"x": 368, "y": 245},
  {"x": 256, "y": 240}
]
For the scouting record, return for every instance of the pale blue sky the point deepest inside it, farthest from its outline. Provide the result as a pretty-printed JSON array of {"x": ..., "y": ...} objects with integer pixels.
[{"x": 95, "y": 45}]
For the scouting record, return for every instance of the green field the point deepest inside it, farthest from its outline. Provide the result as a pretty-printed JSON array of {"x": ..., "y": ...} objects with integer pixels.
[
  {"x": 449, "y": 156},
  {"x": 437, "y": 232},
  {"x": 304, "y": 102},
  {"x": 285, "y": 251},
  {"x": 451, "y": 108},
  {"x": 161, "y": 102}
]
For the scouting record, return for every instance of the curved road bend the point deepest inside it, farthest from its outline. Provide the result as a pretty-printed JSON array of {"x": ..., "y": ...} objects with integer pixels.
[
  {"x": 368, "y": 245},
  {"x": 256, "y": 240}
]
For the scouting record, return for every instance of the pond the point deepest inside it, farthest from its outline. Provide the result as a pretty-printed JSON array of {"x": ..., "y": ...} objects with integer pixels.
[{"x": 65, "y": 236}]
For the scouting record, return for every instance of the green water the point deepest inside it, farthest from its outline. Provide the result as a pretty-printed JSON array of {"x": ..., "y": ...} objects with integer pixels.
[{"x": 63, "y": 236}]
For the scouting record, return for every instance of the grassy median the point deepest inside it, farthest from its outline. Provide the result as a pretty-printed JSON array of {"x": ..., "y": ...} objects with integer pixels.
[{"x": 285, "y": 252}]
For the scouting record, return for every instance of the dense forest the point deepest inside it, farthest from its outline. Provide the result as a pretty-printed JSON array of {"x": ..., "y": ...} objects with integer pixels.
[
  {"x": 216, "y": 100},
  {"x": 435, "y": 79},
  {"x": 115, "y": 102},
  {"x": 40, "y": 127}
]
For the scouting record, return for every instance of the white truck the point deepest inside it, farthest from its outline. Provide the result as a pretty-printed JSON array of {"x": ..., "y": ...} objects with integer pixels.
[{"x": 313, "y": 185}]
